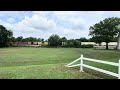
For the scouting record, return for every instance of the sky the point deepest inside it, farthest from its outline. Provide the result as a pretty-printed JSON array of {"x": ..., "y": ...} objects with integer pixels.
[{"x": 42, "y": 24}]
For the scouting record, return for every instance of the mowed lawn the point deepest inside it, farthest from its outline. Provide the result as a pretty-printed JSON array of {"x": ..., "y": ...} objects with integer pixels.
[{"x": 49, "y": 63}]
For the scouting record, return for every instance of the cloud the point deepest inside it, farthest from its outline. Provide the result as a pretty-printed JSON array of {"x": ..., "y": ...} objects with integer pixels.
[
  {"x": 17, "y": 15},
  {"x": 11, "y": 20},
  {"x": 7, "y": 25},
  {"x": 31, "y": 26},
  {"x": 42, "y": 24},
  {"x": 39, "y": 22}
]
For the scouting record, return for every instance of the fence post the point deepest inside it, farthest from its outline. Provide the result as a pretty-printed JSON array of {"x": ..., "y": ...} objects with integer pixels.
[
  {"x": 81, "y": 63},
  {"x": 119, "y": 70}
]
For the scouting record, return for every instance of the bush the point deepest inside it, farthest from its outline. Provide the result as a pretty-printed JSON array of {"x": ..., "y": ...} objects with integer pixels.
[
  {"x": 45, "y": 46},
  {"x": 54, "y": 40},
  {"x": 87, "y": 46},
  {"x": 77, "y": 44}
]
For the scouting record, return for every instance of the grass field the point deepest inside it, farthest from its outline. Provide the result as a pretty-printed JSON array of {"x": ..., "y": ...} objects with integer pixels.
[{"x": 49, "y": 63}]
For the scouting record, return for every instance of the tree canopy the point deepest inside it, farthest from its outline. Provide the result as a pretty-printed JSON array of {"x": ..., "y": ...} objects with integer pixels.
[
  {"x": 5, "y": 36},
  {"x": 105, "y": 30},
  {"x": 54, "y": 40}
]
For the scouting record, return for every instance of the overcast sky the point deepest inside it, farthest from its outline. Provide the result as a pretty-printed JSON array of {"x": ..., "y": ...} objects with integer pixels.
[{"x": 42, "y": 24}]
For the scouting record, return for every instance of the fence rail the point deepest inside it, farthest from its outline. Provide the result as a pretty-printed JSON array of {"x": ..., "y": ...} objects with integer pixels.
[{"x": 81, "y": 59}]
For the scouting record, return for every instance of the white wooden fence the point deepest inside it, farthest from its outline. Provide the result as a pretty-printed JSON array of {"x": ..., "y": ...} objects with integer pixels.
[{"x": 81, "y": 59}]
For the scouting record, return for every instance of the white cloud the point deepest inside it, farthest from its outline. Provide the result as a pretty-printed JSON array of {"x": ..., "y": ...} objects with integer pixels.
[
  {"x": 7, "y": 25},
  {"x": 33, "y": 26},
  {"x": 69, "y": 24},
  {"x": 39, "y": 22},
  {"x": 11, "y": 20}
]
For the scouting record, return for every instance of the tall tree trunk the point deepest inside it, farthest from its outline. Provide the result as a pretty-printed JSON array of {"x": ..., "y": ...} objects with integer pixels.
[
  {"x": 118, "y": 42},
  {"x": 106, "y": 45}
]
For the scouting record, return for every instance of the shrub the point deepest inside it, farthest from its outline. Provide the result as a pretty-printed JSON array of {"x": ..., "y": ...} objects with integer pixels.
[{"x": 87, "y": 46}]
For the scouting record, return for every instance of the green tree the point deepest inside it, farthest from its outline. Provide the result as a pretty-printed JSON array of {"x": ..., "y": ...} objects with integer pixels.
[
  {"x": 54, "y": 40},
  {"x": 83, "y": 39},
  {"x": 40, "y": 40},
  {"x": 62, "y": 41},
  {"x": 105, "y": 30},
  {"x": 5, "y": 36},
  {"x": 13, "y": 39},
  {"x": 24, "y": 40},
  {"x": 19, "y": 39},
  {"x": 97, "y": 39},
  {"x": 70, "y": 43},
  {"x": 91, "y": 39},
  {"x": 32, "y": 39},
  {"x": 76, "y": 43}
]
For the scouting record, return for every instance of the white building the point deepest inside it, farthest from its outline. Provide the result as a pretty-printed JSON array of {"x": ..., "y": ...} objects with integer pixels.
[{"x": 103, "y": 43}]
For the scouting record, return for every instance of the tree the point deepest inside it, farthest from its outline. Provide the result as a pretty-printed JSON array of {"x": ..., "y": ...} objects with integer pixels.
[
  {"x": 97, "y": 39},
  {"x": 91, "y": 39},
  {"x": 13, "y": 39},
  {"x": 54, "y": 40},
  {"x": 105, "y": 30},
  {"x": 5, "y": 36},
  {"x": 32, "y": 39},
  {"x": 83, "y": 39},
  {"x": 76, "y": 43},
  {"x": 114, "y": 39},
  {"x": 19, "y": 39},
  {"x": 24, "y": 40},
  {"x": 70, "y": 43},
  {"x": 62, "y": 41},
  {"x": 40, "y": 40}
]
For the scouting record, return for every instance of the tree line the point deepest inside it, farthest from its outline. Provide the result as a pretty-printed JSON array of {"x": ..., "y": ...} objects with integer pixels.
[
  {"x": 55, "y": 40},
  {"x": 28, "y": 39},
  {"x": 106, "y": 30}
]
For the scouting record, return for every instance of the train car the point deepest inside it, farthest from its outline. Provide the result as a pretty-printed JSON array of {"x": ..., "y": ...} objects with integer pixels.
[
  {"x": 45, "y": 43},
  {"x": 40, "y": 43}
]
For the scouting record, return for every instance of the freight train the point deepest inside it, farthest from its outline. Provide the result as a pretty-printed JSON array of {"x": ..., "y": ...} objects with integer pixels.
[{"x": 29, "y": 43}]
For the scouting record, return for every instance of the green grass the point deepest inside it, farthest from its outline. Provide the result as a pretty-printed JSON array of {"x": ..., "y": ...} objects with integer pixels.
[
  {"x": 49, "y": 63},
  {"x": 48, "y": 71}
]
